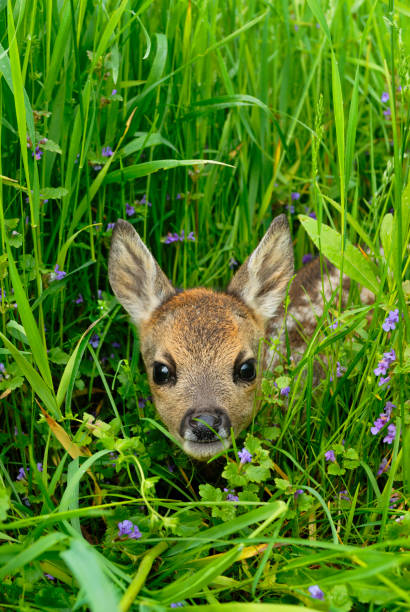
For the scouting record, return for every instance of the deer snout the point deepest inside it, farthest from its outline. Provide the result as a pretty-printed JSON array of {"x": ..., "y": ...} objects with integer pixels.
[{"x": 205, "y": 425}]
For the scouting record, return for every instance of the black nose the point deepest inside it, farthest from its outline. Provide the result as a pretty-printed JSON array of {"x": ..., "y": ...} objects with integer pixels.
[{"x": 205, "y": 425}]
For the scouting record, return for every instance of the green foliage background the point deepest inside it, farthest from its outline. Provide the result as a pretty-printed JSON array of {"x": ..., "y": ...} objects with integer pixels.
[{"x": 111, "y": 109}]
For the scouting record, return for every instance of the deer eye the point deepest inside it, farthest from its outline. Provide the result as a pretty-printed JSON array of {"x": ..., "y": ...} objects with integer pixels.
[
  {"x": 246, "y": 371},
  {"x": 162, "y": 374}
]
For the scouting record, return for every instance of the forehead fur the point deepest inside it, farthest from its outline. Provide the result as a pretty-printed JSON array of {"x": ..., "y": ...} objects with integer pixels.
[{"x": 198, "y": 319}]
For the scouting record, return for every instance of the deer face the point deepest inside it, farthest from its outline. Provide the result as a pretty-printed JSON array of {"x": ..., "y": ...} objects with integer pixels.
[{"x": 200, "y": 347}]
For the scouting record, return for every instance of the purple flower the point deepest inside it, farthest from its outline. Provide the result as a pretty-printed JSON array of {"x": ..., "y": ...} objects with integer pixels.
[
  {"x": 114, "y": 91},
  {"x": 285, "y": 391},
  {"x": 179, "y": 196},
  {"x": 135, "y": 534},
  {"x": 344, "y": 495},
  {"x": 391, "y": 320},
  {"x": 116, "y": 345},
  {"x": 130, "y": 210},
  {"x": 390, "y": 356},
  {"x": 307, "y": 258},
  {"x": 245, "y": 456},
  {"x": 382, "y": 367},
  {"x": 110, "y": 226},
  {"x": 383, "y": 467},
  {"x": 387, "y": 113},
  {"x": 175, "y": 237},
  {"x": 22, "y": 474},
  {"x": 290, "y": 208},
  {"x": 125, "y": 527},
  {"x": 40, "y": 467},
  {"x": 297, "y": 493},
  {"x": 391, "y": 435},
  {"x": 107, "y": 152},
  {"x": 231, "y": 497},
  {"x": 316, "y": 592},
  {"x": 385, "y": 96},
  {"x": 295, "y": 195},
  {"x": 330, "y": 456},
  {"x": 38, "y": 153},
  {"x": 79, "y": 299},
  {"x": 49, "y": 576},
  {"x": 96, "y": 167},
  {"x": 383, "y": 381},
  {"x": 99, "y": 294},
  {"x": 176, "y": 604},
  {"x": 334, "y": 325},
  {"x": 144, "y": 200},
  {"x": 2, "y": 367},
  {"x": 388, "y": 408},
  {"x": 232, "y": 263},
  {"x": 59, "y": 274},
  {"x": 339, "y": 370},
  {"x": 94, "y": 340}
]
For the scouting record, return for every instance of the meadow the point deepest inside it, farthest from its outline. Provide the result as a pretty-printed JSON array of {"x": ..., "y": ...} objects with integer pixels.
[{"x": 199, "y": 122}]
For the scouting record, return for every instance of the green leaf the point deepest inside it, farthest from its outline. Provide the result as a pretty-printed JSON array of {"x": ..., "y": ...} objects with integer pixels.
[
  {"x": 210, "y": 493},
  {"x": 144, "y": 140},
  {"x": 257, "y": 473},
  {"x": 57, "y": 355},
  {"x": 87, "y": 565},
  {"x": 29, "y": 554},
  {"x": 137, "y": 171},
  {"x": 335, "y": 469},
  {"x": 355, "y": 265},
  {"x": 53, "y": 193},
  {"x": 4, "y": 502},
  {"x": 234, "y": 478}
]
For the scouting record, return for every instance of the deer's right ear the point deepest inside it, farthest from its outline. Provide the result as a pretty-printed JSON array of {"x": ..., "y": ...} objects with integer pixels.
[{"x": 135, "y": 277}]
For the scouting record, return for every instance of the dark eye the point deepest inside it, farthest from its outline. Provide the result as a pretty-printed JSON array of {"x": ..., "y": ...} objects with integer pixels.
[
  {"x": 162, "y": 374},
  {"x": 247, "y": 371}
]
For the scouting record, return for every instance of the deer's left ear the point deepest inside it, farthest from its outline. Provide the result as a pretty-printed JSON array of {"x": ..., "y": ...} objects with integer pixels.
[{"x": 262, "y": 279}]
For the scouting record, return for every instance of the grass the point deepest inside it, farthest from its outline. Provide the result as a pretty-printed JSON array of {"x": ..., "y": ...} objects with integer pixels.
[{"x": 111, "y": 109}]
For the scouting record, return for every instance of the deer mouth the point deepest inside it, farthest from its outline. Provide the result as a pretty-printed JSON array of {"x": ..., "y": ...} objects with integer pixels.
[{"x": 205, "y": 449}]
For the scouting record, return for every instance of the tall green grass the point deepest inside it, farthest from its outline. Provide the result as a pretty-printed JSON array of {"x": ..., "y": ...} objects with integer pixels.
[{"x": 110, "y": 110}]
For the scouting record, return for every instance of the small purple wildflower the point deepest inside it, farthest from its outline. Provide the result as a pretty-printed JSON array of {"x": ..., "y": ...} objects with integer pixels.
[
  {"x": 22, "y": 474},
  {"x": 382, "y": 367},
  {"x": 59, "y": 274},
  {"x": 79, "y": 299},
  {"x": 175, "y": 237},
  {"x": 383, "y": 381},
  {"x": 390, "y": 356},
  {"x": 330, "y": 456},
  {"x": 297, "y": 493},
  {"x": 2, "y": 367},
  {"x": 245, "y": 456},
  {"x": 40, "y": 466},
  {"x": 135, "y": 534},
  {"x": 393, "y": 500},
  {"x": 94, "y": 340},
  {"x": 312, "y": 215},
  {"x": 96, "y": 167},
  {"x": 130, "y": 210},
  {"x": 114, "y": 91},
  {"x": 49, "y": 576},
  {"x": 110, "y": 226},
  {"x": 125, "y": 527},
  {"x": 232, "y": 498},
  {"x": 385, "y": 97},
  {"x": 179, "y": 196},
  {"x": 232, "y": 263},
  {"x": 176, "y": 604},
  {"x": 107, "y": 152},
  {"x": 316, "y": 592},
  {"x": 387, "y": 113},
  {"x": 383, "y": 467},
  {"x": 116, "y": 345},
  {"x": 99, "y": 294},
  {"x": 391, "y": 320},
  {"x": 339, "y": 370},
  {"x": 144, "y": 200},
  {"x": 295, "y": 195},
  {"x": 391, "y": 435},
  {"x": 334, "y": 325},
  {"x": 344, "y": 495},
  {"x": 307, "y": 258},
  {"x": 388, "y": 408},
  {"x": 285, "y": 391},
  {"x": 290, "y": 208},
  {"x": 38, "y": 153}
]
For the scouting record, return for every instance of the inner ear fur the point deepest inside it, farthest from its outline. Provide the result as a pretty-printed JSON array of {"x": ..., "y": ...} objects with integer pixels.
[
  {"x": 135, "y": 277},
  {"x": 262, "y": 279}
]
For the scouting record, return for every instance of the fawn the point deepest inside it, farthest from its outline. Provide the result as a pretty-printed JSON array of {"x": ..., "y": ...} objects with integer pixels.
[{"x": 200, "y": 347}]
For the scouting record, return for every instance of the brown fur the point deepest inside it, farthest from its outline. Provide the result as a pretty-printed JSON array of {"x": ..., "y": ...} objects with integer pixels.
[{"x": 204, "y": 337}]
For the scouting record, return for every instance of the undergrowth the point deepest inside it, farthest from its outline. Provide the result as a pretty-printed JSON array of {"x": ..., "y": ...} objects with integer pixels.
[{"x": 198, "y": 123}]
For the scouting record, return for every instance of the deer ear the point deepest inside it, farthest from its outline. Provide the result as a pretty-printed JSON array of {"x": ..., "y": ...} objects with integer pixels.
[
  {"x": 262, "y": 279},
  {"x": 135, "y": 277}
]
